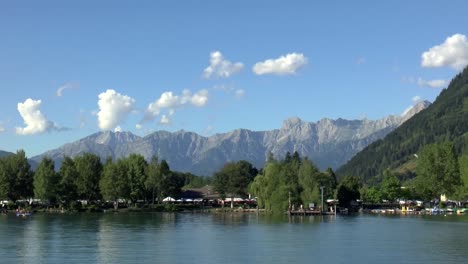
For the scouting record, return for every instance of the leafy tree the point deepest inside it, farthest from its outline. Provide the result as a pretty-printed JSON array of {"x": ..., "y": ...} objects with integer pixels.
[
  {"x": 153, "y": 178},
  {"x": 89, "y": 169},
  {"x": 371, "y": 195},
  {"x": 348, "y": 190},
  {"x": 438, "y": 171},
  {"x": 113, "y": 183},
  {"x": 233, "y": 179},
  {"x": 308, "y": 180},
  {"x": 136, "y": 174},
  {"x": 16, "y": 177},
  {"x": 67, "y": 187},
  {"x": 391, "y": 186},
  {"x": 46, "y": 181}
]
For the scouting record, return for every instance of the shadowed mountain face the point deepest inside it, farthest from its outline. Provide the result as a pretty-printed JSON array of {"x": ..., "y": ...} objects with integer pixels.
[
  {"x": 4, "y": 153},
  {"x": 329, "y": 143}
]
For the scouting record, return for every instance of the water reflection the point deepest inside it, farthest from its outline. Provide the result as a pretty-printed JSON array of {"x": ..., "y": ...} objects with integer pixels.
[{"x": 231, "y": 238}]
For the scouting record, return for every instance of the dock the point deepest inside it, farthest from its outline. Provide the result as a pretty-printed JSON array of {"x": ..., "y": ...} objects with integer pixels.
[{"x": 308, "y": 212}]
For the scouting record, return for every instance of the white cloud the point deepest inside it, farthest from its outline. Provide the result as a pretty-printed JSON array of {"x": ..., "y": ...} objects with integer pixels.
[
  {"x": 171, "y": 102},
  {"x": 138, "y": 126},
  {"x": 453, "y": 52},
  {"x": 239, "y": 93},
  {"x": 165, "y": 120},
  {"x": 33, "y": 118},
  {"x": 66, "y": 86},
  {"x": 220, "y": 67},
  {"x": 416, "y": 99},
  {"x": 200, "y": 98},
  {"x": 113, "y": 109},
  {"x": 2, "y": 129},
  {"x": 432, "y": 83},
  {"x": 118, "y": 129},
  {"x": 283, "y": 65}
]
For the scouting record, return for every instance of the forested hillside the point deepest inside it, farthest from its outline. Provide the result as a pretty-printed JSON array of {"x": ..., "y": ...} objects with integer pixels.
[{"x": 445, "y": 120}]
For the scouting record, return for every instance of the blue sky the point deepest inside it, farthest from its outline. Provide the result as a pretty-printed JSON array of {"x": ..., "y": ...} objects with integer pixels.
[{"x": 214, "y": 66}]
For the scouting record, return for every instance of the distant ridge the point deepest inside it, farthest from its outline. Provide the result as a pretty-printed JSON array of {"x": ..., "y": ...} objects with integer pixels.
[
  {"x": 328, "y": 142},
  {"x": 4, "y": 153}
]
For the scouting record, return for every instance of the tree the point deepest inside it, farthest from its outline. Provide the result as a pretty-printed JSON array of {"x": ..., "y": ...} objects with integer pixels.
[
  {"x": 348, "y": 190},
  {"x": 136, "y": 174},
  {"x": 67, "y": 187},
  {"x": 16, "y": 177},
  {"x": 438, "y": 171},
  {"x": 112, "y": 184},
  {"x": 46, "y": 181},
  {"x": 371, "y": 195},
  {"x": 154, "y": 178},
  {"x": 89, "y": 169},
  {"x": 233, "y": 179},
  {"x": 391, "y": 186}
]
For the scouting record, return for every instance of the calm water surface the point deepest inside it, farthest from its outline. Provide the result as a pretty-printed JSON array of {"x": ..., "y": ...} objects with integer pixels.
[{"x": 232, "y": 238}]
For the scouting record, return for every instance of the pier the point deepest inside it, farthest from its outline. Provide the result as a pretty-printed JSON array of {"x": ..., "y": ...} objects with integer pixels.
[{"x": 308, "y": 212}]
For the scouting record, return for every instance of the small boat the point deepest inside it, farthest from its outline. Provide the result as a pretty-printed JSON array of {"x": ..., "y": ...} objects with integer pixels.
[{"x": 23, "y": 214}]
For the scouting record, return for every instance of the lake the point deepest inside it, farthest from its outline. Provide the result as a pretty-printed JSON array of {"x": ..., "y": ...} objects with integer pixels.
[{"x": 232, "y": 238}]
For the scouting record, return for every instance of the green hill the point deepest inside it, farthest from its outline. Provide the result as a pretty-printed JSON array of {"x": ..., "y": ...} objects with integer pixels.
[{"x": 445, "y": 120}]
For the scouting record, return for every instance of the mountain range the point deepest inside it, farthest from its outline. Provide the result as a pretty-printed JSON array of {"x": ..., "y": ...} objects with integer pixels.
[{"x": 328, "y": 142}]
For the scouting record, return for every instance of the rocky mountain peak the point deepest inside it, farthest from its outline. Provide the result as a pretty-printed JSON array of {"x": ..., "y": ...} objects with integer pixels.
[
  {"x": 410, "y": 112},
  {"x": 291, "y": 123}
]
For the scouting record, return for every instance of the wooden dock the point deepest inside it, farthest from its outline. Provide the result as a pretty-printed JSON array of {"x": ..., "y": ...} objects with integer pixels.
[{"x": 308, "y": 212}]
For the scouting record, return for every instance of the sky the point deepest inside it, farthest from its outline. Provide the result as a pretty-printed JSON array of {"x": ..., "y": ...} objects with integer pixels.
[{"x": 72, "y": 68}]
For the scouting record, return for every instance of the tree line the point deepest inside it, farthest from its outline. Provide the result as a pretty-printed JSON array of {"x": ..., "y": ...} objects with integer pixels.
[
  {"x": 85, "y": 177},
  {"x": 437, "y": 173}
]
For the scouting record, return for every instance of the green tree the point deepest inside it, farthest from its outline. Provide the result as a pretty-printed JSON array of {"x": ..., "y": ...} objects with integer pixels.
[
  {"x": 391, "y": 186},
  {"x": 154, "y": 178},
  {"x": 16, "y": 177},
  {"x": 136, "y": 174},
  {"x": 438, "y": 171},
  {"x": 89, "y": 169},
  {"x": 46, "y": 181},
  {"x": 67, "y": 188},
  {"x": 371, "y": 195},
  {"x": 348, "y": 190},
  {"x": 233, "y": 179},
  {"x": 114, "y": 183}
]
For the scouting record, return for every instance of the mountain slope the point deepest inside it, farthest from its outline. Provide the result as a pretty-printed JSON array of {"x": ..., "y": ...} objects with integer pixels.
[
  {"x": 329, "y": 143},
  {"x": 445, "y": 119},
  {"x": 4, "y": 153}
]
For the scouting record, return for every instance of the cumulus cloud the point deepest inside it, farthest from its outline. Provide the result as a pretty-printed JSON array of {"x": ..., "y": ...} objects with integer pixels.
[
  {"x": 118, "y": 129},
  {"x": 284, "y": 65},
  {"x": 170, "y": 102},
  {"x": 113, "y": 109},
  {"x": 67, "y": 86},
  {"x": 138, "y": 126},
  {"x": 33, "y": 118},
  {"x": 432, "y": 83},
  {"x": 220, "y": 67},
  {"x": 2, "y": 129},
  {"x": 165, "y": 120},
  {"x": 453, "y": 52}
]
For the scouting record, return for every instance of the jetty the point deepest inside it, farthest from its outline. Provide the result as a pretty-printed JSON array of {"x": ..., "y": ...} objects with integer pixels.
[{"x": 308, "y": 212}]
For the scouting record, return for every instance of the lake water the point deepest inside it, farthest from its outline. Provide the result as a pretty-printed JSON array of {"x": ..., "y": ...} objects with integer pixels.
[{"x": 232, "y": 238}]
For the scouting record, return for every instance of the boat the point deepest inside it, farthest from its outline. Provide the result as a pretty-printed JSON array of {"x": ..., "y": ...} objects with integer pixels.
[{"x": 23, "y": 214}]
